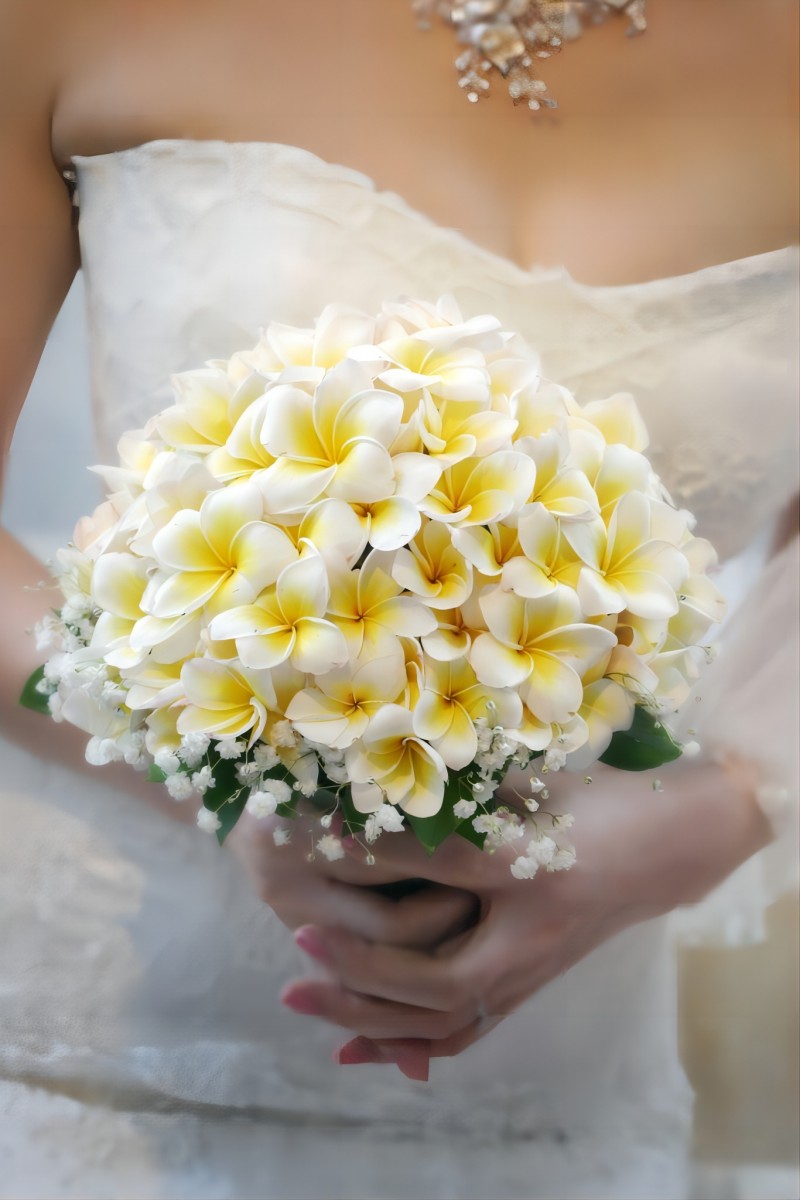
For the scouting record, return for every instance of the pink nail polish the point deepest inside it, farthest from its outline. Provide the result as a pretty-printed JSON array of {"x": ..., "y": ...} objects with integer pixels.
[
  {"x": 308, "y": 939},
  {"x": 413, "y": 1068},
  {"x": 301, "y": 1002},
  {"x": 359, "y": 1050}
]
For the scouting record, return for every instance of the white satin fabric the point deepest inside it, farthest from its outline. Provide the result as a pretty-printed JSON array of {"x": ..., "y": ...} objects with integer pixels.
[{"x": 144, "y": 1052}]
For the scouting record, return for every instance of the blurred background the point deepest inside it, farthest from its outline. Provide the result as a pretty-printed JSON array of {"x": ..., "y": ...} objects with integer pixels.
[{"x": 739, "y": 1007}]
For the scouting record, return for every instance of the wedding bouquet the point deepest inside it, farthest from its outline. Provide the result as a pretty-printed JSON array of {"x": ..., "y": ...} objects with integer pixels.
[{"x": 375, "y": 564}]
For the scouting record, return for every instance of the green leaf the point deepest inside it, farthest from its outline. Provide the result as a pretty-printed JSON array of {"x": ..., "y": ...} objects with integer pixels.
[
  {"x": 229, "y": 814},
  {"x": 643, "y": 747},
  {"x": 32, "y": 698},
  {"x": 155, "y": 774},
  {"x": 432, "y": 831}
]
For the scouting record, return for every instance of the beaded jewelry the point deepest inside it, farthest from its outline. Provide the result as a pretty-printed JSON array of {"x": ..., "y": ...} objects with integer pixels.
[{"x": 510, "y": 35}]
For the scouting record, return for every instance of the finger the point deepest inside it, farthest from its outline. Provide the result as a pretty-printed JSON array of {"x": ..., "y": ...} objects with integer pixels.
[
  {"x": 410, "y": 1050},
  {"x": 407, "y": 976},
  {"x": 456, "y": 862},
  {"x": 422, "y": 920},
  {"x": 370, "y": 1017},
  {"x": 412, "y": 1057}
]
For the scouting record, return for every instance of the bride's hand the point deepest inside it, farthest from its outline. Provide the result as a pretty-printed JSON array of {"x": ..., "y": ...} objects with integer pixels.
[
  {"x": 640, "y": 853},
  {"x": 302, "y": 887}
]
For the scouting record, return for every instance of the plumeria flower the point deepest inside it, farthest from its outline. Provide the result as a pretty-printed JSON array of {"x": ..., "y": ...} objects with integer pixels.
[
  {"x": 388, "y": 524},
  {"x": 456, "y": 631},
  {"x": 137, "y": 452},
  {"x": 223, "y": 700},
  {"x": 612, "y": 471},
  {"x": 389, "y": 763},
  {"x": 442, "y": 360},
  {"x": 339, "y": 708},
  {"x": 287, "y": 622},
  {"x": 539, "y": 646},
  {"x": 408, "y": 316},
  {"x": 607, "y": 706},
  {"x": 479, "y": 491},
  {"x": 225, "y": 554},
  {"x": 118, "y": 583},
  {"x": 175, "y": 482},
  {"x": 433, "y": 569},
  {"x": 331, "y": 529},
  {"x": 335, "y": 442},
  {"x": 123, "y": 633},
  {"x": 546, "y": 557},
  {"x": 336, "y": 331},
  {"x": 391, "y": 523},
  {"x": 624, "y": 566},
  {"x": 617, "y": 418},
  {"x": 560, "y": 487},
  {"x": 208, "y": 404},
  {"x": 513, "y": 369},
  {"x": 451, "y": 701},
  {"x": 488, "y": 547},
  {"x": 372, "y": 612},
  {"x": 243, "y": 452},
  {"x": 152, "y": 684},
  {"x": 456, "y": 429}
]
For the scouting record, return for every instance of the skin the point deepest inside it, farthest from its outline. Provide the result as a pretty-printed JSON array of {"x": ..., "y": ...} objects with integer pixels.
[{"x": 602, "y": 189}]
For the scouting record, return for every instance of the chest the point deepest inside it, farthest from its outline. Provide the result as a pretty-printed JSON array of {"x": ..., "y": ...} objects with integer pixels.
[{"x": 600, "y": 187}]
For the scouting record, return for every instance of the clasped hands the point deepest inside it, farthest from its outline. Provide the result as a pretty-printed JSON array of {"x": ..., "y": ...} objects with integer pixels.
[{"x": 430, "y": 973}]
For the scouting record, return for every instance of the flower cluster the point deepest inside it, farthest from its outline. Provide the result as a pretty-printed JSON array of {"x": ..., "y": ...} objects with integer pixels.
[{"x": 384, "y": 559}]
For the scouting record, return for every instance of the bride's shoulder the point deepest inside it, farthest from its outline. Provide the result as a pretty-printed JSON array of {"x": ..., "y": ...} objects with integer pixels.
[{"x": 39, "y": 43}]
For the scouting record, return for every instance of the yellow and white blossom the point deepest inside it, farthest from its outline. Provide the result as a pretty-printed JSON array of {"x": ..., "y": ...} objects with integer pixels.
[
  {"x": 456, "y": 630},
  {"x": 335, "y": 442},
  {"x": 560, "y": 487},
  {"x": 451, "y": 701},
  {"x": 456, "y": 429},
  {"x": 339, "y": 708},
  {"x": 540, "y": 647},
  {"x": 477, "y": 491},
  {"x": 208, "y": 405},
  {"x": 624, "y": 566},
  {"x": 337, "y": 329},
  {"x": 433, "y": 569},
  {"x": 389, "y": 763},
  {"x": 371, "y": 609},
  {"x": 218, "y": 557},
  {"x": 545, "y": 556},
  {"x": 287, "y": 622},
  {"x": 224, "y": 700}
]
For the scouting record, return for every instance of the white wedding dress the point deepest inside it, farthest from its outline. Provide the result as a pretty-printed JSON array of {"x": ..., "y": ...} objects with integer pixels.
[{"x": 143, "y": 1051}]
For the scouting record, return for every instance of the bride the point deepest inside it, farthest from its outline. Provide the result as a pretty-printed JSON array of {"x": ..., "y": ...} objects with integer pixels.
[{"x": 249, "y": 162}]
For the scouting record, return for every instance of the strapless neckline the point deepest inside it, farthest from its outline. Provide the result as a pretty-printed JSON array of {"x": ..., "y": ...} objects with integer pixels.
[{"x": 287, "y": 152}]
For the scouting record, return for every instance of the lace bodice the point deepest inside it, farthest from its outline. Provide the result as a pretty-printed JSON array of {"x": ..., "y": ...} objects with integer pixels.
[{"x": 190, "y": 247}]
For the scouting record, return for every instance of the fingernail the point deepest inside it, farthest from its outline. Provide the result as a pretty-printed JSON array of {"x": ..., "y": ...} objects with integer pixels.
[
  {"x": 414, "y": 1068},
  {"x": 308, "y": 939},
  {"x": 359, "y": 1050},
  {"x": 349, "y": 842},
  {"x": 302, "y": 1002}
]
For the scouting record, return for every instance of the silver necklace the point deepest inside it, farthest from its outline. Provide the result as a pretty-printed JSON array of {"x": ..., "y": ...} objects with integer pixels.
[{"x": 509, "y": 36}]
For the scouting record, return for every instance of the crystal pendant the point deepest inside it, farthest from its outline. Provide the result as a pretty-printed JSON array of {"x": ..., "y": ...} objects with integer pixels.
[
  {"x": 509, "y": 35},
  {"x": 502, "y": 44}
]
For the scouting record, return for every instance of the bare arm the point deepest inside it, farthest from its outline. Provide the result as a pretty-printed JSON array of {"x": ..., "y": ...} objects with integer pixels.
[{"x": 39, "y": 253}]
